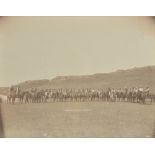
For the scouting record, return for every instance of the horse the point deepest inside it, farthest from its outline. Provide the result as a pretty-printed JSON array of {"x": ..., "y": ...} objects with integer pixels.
[
  {"x": 152, "y": 97},
  {"x": 141, "y": 96},
  {"x": 11, "y": 97},
  {"x": 112, "y": 95}
]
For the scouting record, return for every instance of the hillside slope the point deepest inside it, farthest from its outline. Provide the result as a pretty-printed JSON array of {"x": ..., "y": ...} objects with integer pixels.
[{"x": 144, "y": 76}]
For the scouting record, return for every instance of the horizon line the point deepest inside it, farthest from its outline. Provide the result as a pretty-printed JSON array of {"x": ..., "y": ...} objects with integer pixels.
[{"x": 76, "y": 75}]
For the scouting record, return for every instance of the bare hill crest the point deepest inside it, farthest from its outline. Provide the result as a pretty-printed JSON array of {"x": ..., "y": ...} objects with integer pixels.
[{"x": 142, "y": 76}]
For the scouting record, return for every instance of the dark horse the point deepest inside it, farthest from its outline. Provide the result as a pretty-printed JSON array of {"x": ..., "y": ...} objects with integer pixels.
[
  {"x": 11, "y": 97},
  {"x": 141, "y": 97}
]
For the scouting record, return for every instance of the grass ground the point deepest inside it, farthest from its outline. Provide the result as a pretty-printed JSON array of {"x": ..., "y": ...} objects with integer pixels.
[{"x": 96, "y": 119}]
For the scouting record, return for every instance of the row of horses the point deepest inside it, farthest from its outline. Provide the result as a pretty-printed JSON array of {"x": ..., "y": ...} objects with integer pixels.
[{"x": 80, "y": 95}]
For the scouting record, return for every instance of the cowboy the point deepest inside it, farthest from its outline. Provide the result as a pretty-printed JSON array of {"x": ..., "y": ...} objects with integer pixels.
[
  {"x": 147, "y": 90},
  {"x": 18, "y": 90},
  {"x": 141, "y": 89},
  {"x": 11, "y": 88},
  {"x": 135, "y": 90}
]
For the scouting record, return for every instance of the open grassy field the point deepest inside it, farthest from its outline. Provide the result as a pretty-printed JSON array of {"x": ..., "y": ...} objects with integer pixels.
[{"x": 96, "y": 119}]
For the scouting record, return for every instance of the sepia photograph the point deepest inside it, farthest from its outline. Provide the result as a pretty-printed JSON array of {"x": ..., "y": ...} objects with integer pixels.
[{"x": 77, "y": 77}]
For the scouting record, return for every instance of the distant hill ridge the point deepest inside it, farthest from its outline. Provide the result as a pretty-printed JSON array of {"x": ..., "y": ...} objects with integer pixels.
[
  {"x": 141, "y": 76},
  {"x": 138, "y": 76}
]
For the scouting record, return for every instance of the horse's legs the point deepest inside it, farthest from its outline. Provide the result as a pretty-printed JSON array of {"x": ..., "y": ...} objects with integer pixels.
[
  {"x": 8, "y": 100},
  {"x": 13, "y": 100}
]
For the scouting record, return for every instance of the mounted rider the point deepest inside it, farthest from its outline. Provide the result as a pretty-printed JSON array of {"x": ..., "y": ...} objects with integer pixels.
[
  {"x": 18, "y": 90},
  {"x": 147, "y": 91},
  {"x": 11, "y": 90},
  {"x": 141, "y": 89}
]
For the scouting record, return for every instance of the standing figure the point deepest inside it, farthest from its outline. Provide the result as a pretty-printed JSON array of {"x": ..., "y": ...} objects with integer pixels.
[{"x": 12, "y": 95}]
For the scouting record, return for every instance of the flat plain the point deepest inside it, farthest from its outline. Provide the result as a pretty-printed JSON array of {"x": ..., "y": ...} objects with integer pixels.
[{"x": 79, "y": 119}]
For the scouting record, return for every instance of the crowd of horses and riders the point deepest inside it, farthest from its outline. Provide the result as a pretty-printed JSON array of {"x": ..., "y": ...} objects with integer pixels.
[{"x": 38, "y": 95}]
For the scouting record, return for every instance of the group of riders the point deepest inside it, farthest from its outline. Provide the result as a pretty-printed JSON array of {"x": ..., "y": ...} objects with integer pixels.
[{"x": 39, "y": 95}]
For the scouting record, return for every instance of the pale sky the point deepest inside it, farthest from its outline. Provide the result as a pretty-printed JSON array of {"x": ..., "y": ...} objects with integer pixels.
[{"x": 45, "y": 47}]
